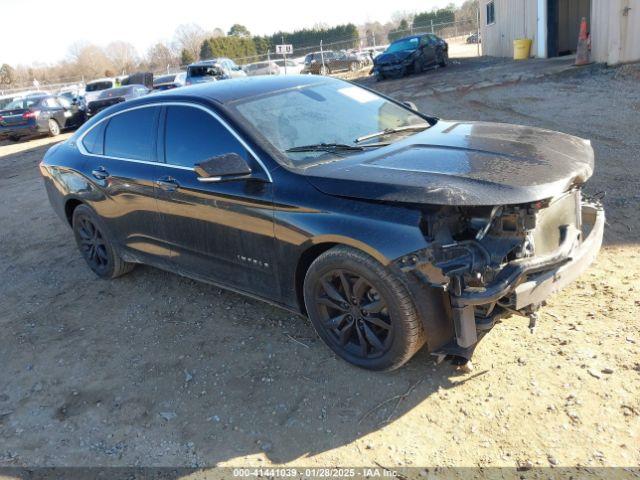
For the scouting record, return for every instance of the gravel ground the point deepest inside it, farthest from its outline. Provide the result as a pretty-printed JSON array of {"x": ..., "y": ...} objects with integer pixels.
[{"x": 155, "y": 369}]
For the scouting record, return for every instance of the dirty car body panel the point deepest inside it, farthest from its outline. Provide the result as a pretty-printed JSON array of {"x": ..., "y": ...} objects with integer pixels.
[{"x": 477, "y": 219}]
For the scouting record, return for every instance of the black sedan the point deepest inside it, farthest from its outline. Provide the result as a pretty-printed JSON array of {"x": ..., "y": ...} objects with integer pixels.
[
  {"x": 411, "y": 55},
  {"x": 390, "y": 229},
  {"x": 112, "y": 96},
  {"x": 38, "y": 114}
]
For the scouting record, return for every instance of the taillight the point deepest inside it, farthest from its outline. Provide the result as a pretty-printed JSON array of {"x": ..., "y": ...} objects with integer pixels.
[{"x": 34, "y": 114}]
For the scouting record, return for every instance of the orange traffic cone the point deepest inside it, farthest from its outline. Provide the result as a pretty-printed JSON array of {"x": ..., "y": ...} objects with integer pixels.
[{"x": 583, "y": 51}]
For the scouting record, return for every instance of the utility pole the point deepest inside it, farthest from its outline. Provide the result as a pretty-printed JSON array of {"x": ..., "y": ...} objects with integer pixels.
[
  {"x": 269, "y": 60},
  {"x": 284, "y": 57},
  {"x": 478, "y": 28},
  {"x": 321, "y": 55}
]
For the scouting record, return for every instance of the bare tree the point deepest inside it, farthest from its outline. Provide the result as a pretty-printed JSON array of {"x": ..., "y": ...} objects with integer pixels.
[
  {"x": 189, "y": 37},
  {"x": 161, "y": 57},
  {"x": 123, "y": 56},
  {"x": 89, "y": 61}
]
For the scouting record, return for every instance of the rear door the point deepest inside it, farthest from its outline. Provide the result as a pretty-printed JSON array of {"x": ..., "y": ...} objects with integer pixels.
[
  {"x": 220, "y": 231},
  {"x": 121, "y": 161}
]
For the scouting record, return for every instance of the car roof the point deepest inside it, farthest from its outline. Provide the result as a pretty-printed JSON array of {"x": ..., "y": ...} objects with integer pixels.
[
  {"x": 100, "y": 80},
  {"x": 228, "y": 91},
  {"x": 203, "y": 63}
]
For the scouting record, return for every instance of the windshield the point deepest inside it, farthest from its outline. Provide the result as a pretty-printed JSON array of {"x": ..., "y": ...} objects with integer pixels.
[
  {"x": 330, "y": 113},
  {"x": 204, "y": 70},
  {"x": 97, "y": 86},
  {"x": 405, "y": 44},
  {"x": 164, "y": 79}
]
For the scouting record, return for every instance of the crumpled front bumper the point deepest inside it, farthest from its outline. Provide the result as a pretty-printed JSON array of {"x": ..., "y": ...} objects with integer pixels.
[{"x": 531, "y": 281}]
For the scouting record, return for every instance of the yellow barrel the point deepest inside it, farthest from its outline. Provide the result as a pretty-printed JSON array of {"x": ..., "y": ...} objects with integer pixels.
[{"x": 521, "y": 48}]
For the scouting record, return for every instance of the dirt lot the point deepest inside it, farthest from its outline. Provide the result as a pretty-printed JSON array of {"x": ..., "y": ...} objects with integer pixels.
[{"x": 154, "y": 369}]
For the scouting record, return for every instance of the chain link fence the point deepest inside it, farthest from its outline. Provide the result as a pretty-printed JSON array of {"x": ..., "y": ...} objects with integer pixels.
[{"x": 351, "y": 55}]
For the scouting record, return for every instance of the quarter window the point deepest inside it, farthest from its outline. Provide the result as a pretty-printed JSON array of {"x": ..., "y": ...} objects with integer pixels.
[
  {"x": 193, "y": 136},
  {"x": 491, "y": 13},
  {"x": 93, "y": 141},
  {"x": 131, "y": 134}
]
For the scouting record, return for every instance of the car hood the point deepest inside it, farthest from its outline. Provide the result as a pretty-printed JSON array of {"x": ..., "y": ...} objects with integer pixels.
[
  {"x": 462, "y": 163},
  {"x": 394, "y": 57}
]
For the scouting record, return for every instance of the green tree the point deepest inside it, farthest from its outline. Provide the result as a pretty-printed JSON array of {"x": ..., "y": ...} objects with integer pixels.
[
  {"x": 238, "y": 30},
  {"x": 237, "y": 48},
  {"x": 424, "y": 20},
  {"x": 402, "y": 31},
  {"x": 7, "y": 74},
  {"x": 262, "y": 44},
  {"x": 186, "y": 57}
]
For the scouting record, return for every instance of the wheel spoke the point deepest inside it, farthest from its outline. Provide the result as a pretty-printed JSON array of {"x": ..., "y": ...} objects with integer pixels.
[
  {"x": 326, "y": 301},
  {"x": 373, "y": 340},
  {"x": 334, "y": 323},
  {"x": 346, "y": 286},
  {"x": 374, "y": 307},
  {"x": 345, "y": 333},
  {"x": 332, "y": 292},
  {"x": 377, "y": 321},
  {"x": 102, "y": 253},
  {"x": 360, "y": 287},
  {"x": 362, "y": 341}
]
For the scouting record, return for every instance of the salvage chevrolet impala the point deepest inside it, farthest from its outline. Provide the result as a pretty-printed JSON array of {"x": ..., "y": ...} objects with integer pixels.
[{"x": 390, "y": 229}]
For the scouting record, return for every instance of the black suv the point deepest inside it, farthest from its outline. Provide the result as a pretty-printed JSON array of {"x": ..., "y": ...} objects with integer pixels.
[{"x": 325, "y": 63}]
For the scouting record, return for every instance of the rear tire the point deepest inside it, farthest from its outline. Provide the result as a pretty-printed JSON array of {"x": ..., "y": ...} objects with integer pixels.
[
  {"x": 324, "y": 70},
  {"x": 54, "y": 128},
  {"x": 95, "y": 246},
  {"x": 361, "y": 310}
]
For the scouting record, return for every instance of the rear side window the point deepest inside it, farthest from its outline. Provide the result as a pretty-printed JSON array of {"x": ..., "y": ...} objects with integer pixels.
[
  {"x": 94, "y": 140},
  {"x": 132, "y": 134},
  {"x": 193, "y": 136}
]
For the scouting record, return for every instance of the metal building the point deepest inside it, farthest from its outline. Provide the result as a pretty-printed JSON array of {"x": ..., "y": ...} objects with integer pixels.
[{"x": 553, "y": 26}]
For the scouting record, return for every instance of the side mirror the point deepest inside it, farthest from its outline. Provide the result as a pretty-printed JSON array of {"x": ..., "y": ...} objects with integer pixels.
[
  {"x": 410, "y": 105},
  {"x": 229, "y": 166}
]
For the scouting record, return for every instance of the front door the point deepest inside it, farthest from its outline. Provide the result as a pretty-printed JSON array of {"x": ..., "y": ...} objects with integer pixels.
[{"x": 218, "y": 231}]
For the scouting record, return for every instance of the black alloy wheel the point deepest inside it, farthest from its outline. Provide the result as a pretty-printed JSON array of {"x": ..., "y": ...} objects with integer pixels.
[
  {"x": 92, "y": 244},
  {"x": 362, "y": 310},
  {"x": 354, "y": 314},
  {"x": 95, "y": 246}
]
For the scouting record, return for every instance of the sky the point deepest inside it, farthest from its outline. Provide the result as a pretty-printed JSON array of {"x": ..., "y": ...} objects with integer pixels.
[{"x": 43, "y": 30}]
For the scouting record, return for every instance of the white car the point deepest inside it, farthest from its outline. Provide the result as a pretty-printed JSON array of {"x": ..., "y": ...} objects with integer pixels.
[
  {"x": 94, "y": 87},
  {"x": 293, "y": 67}
]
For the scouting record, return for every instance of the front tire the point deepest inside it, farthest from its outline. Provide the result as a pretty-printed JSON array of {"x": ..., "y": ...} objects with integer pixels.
[
  {"x": 324, "y": 70},
  {"x": 54, "y": 128},
  {"x": 443, "y": 58},
  {"x": 361, "y": 310},
  {"x": 95, "y": 246}
]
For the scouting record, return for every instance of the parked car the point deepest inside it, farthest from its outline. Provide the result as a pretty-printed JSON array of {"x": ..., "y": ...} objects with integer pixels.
[
  {"x": 293, "y": 67},
  {"x": 93, "y": 88},
  {"x": 474, "y": 38},
  {"x": 212, "y": 70},
  {"x": 388, "y": 227},
  {"x": 73, "y": 93},
  {"x": 411, "y": 55},
  {"x": 112, "y": 96},
  {"x": 327, "y": 62},
  {"x": 262, "y": 68},
  {"x": 38, "y": 114},
  {"x": 167, "y": 82}
]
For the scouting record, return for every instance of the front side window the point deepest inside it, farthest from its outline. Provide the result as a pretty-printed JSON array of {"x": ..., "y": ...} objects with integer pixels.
[
  {"x": 193, "y": 136},
  {"x": 328, "y": 113},
  {"x": 131, "y": 134}
]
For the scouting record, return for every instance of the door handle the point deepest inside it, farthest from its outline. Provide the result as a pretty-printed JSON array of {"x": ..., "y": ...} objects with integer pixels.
[
  {"x": 168, "y": 184},
  {"x": 100, "y": 173}
]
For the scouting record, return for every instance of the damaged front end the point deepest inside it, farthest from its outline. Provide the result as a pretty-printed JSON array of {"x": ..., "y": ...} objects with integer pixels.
[{"x": 490, "y": 261}]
